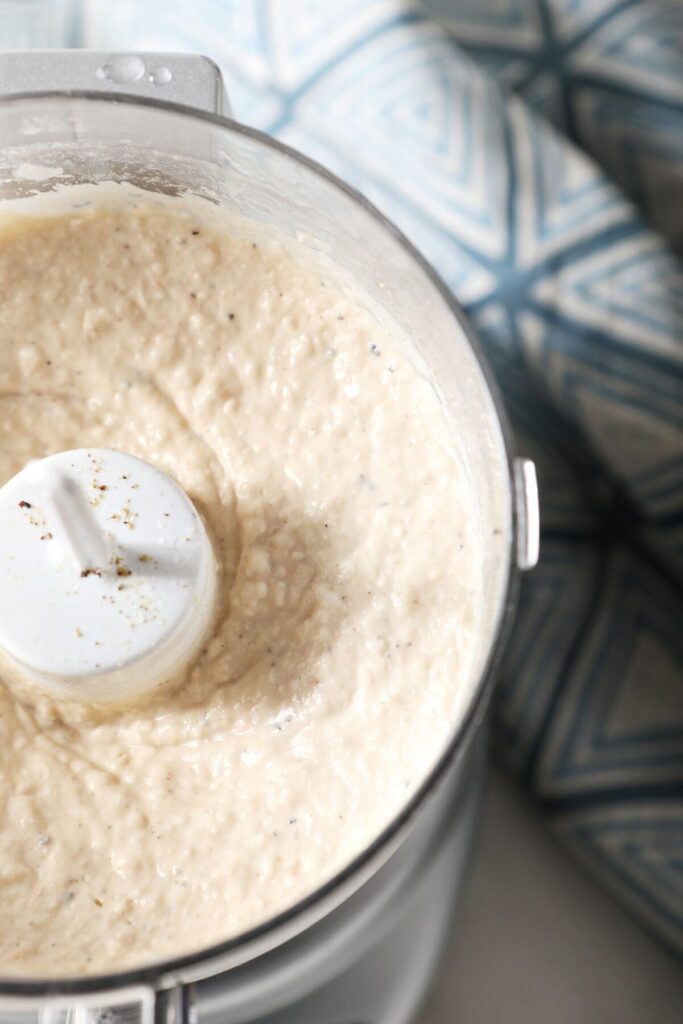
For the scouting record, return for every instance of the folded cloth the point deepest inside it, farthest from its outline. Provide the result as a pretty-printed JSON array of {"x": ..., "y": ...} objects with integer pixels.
[
  {"x": 608, "y": 74},
  {"x": 578, "y": 304}
]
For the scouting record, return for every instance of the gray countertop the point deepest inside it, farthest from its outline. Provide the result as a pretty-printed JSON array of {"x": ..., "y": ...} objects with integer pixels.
[{"x": 540, "y": 943}]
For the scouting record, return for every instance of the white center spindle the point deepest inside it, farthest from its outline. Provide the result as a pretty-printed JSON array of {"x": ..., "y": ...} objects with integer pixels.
[{"x": 107, "y": 576}]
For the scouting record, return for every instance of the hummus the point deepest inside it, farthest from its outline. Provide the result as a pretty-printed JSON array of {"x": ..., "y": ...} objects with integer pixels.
[{"x": 349, "y": 552}]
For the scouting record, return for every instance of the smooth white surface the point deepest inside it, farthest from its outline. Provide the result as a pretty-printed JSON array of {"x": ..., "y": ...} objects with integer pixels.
[
  {"x": 106, "y": 574},
  {"x": 65, "y": 507},
  {"x": 540, "y": 943}
]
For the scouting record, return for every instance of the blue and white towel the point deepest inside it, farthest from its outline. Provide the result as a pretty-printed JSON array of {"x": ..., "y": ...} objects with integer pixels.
[{"x": 479, "y": 140}]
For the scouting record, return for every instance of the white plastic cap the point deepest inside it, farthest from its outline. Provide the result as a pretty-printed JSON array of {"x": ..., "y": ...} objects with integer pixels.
[{"x": 107, "y": 576}]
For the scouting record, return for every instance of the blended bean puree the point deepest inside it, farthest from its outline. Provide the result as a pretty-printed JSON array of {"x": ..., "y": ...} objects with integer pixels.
[{"x": 349, "y": 552}]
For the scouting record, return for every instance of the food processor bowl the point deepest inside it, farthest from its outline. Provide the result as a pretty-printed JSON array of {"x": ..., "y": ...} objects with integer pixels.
[{"x": 362, "y": 948}]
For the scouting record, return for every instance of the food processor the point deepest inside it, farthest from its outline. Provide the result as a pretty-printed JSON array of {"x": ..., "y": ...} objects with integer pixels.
[{"x": 363, "y": 947}]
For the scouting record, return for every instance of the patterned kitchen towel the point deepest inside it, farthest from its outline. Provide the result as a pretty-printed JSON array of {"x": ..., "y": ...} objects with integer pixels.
[{"x": 580, "y": 307}]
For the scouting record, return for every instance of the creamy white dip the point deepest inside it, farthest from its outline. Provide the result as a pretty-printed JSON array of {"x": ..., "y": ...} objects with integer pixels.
[{"x": 349, "y": 554}]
